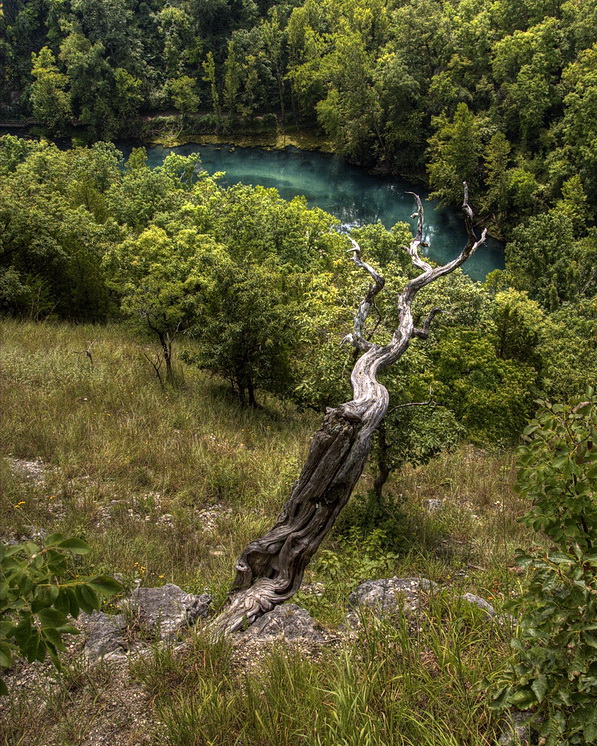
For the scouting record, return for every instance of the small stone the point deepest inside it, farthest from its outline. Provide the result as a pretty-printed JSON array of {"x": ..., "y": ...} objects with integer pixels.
[
  {"x": 391, "y": 595},
  {"x": 480, "y": 602},
  {"x": 517, "y": 730},
  {"x": 168, "y": 610}
]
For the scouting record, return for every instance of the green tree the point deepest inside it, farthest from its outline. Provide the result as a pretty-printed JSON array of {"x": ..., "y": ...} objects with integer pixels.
[
  {"x": 209, "y": 69},
  {"x": 527, "y": 66},
  {"x": 181, "y": 47},
  {"x": 455, "y": 153},
  {"x": 158, "y": 279},
  {"x": 496, "y": 157},
  {"x": 492, "y": 397},
  {"x": 91, "y": 82},
  {"x": 579, "y": 125},
  {"x": 546, "y": 259},
  {"x": 184, "y": 95},
  {"x": 54, "y": 230},
  {"x": 50, "y": 99},
  {"x": 248, "y": 330},
  {"x": 520, "y": 327},
  {"x": 569, "y": 350}
]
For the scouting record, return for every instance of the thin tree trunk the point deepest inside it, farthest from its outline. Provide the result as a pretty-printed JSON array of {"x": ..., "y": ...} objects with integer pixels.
[
  {"x": 383, "y": 464},
  {"x": 271, "y": 568},
  {"x": 251, "y": 392}
]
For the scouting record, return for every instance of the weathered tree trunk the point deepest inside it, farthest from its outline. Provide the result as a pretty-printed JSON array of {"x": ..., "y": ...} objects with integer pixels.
[{"x": 271, "y": 568}]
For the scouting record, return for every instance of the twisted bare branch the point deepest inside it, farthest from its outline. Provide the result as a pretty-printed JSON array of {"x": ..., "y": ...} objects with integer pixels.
[
  {"x": 423, "y": 332},
  {"x": 413, "y": 248},
  {"x": 357, "y": 337}
]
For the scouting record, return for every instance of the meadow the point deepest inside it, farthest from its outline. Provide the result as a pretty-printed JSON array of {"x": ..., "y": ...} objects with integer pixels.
[{"x": 170, "y": 485}]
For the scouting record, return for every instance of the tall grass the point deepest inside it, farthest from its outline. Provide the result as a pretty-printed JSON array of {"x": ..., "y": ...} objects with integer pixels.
[
  {"x": 389, "y": 687},
  {"x": 121, "y": 454}
]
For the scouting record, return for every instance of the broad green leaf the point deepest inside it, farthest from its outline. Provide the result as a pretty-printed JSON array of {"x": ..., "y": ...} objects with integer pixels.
[
  {"x": 105, "y": 585},
  {"x": 5, "y": 655},
  {"x": 77, "y": 546},
  {"x": 68, "y": 629},
  {"x": 51, "y": 618},
  {"x": 44, "y": 597},
  {"x": 54, "y": 539},
  {"x": 22, "y": 632},
  {"x": 62, "y": 601},
  {"x": 53, "y": 636},
  {"x": 539, "y": 686},
  {"x": 30, "y": 547},
  {"x": 523, "y": 699},
  {"x": 83, "y": 599},
  {"x": 34, "y": 649}
]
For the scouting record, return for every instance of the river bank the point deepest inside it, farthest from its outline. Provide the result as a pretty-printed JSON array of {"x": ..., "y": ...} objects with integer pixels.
[
  {"x": 299, "y": 162},
  {"x": 165, "y": 129}
]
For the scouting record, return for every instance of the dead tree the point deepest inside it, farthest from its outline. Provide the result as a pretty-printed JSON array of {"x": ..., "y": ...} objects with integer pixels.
[{"x": 271, "y": 568}]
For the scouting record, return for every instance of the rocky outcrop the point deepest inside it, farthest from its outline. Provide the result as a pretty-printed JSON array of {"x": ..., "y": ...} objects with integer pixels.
[{"x": 150, "y": 614}]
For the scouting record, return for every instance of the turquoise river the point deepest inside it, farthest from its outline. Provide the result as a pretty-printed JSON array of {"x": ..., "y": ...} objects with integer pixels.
[{"x": 347, "y": 192}]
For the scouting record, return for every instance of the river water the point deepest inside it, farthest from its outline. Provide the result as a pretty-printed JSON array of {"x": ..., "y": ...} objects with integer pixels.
[{"x": 348, "y": 192}]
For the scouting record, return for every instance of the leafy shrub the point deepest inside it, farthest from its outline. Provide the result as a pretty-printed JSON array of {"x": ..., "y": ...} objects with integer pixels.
[
  {"x": 554, "y": 665},
  {"x": 39, "y": 591}
]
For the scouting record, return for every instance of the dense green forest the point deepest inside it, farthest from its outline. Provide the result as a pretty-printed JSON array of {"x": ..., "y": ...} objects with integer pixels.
[{"x": 501, "y": 93}]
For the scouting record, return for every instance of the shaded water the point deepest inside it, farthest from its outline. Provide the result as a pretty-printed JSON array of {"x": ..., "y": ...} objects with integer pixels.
[{"x": 348, "y": 192}]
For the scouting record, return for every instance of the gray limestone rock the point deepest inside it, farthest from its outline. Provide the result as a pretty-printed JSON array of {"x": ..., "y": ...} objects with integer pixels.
[
  {"x": 481, "y": 603},
  {"x": 289, "y": 622},
  {"x": 105, "y": 634},
  {"x": 392, "y": 595},
  {"x": 168, "y": 610}
]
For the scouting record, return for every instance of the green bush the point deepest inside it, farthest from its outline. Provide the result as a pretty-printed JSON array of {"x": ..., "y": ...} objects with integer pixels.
[
  {"x": 39, "y": 591},
  {"x": 554, "y": 663}
]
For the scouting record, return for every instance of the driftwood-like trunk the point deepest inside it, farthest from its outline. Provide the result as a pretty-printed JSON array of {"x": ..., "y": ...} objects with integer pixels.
[{"x": 271, "y": 568}]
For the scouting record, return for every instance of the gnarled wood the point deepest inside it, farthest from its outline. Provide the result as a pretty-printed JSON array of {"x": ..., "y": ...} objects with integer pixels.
[{"x": 271, "y": 568}]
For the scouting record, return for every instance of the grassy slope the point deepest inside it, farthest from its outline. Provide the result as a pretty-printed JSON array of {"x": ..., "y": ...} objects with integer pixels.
[{"x": 122, "y": 454}]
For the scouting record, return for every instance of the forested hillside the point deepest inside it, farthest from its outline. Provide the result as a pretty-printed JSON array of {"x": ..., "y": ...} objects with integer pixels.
[
  {"x": 500, "y": 93},
  {"x": 264, "y": 290}
]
